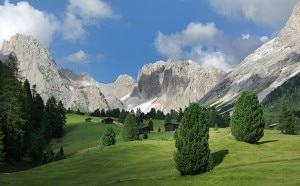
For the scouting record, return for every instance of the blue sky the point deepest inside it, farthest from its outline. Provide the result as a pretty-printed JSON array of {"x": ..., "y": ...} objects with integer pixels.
[{"x": 107, "y": 38}]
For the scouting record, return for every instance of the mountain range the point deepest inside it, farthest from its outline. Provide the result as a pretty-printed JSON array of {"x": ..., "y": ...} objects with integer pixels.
[{"x": 162, "y": 85}]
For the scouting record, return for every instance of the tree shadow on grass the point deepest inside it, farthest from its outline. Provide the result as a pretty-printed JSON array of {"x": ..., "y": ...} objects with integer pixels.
[
  {"x": 69, "y": 129},
  {"x": 219, "y": 156},
  {"x": 267, "y": 141}
]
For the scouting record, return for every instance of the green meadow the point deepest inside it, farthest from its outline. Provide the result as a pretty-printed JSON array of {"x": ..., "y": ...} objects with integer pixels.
[{"x": 274, "y": 161}]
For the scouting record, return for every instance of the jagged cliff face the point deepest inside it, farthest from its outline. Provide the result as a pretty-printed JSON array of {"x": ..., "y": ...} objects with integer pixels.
[
  {"x": 74, "y": 90},
  {"x": 37, "y": 65},
  {"x": 265, "y": 69},
  {"x": 171, "y": 85}
]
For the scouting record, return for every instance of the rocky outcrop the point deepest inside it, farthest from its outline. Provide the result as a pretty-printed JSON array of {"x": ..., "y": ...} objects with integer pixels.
[
  {"x": 171, "y": 85},
  {"x": 265, "y": 69},
  {"x": 37, "y": 65},
  {"x": 74, "y": 90}
]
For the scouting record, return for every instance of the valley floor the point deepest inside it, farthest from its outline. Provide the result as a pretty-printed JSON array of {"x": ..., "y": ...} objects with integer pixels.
[{"x": 274, "y": 161}]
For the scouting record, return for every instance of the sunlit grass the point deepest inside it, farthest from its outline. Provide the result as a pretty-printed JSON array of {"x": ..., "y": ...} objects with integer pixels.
[{"x": 274, "y": 161}]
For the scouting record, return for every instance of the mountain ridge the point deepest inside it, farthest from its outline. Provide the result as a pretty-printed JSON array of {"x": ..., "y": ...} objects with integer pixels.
[{"x": 265, "y": 69}]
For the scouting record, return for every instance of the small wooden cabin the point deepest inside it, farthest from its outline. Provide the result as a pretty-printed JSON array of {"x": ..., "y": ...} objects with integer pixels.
[
  {"x": 107, "y": 121},
  {"x": 273, "y": 126},
  {"x": 88, "y": 119},
  {"x": 146, "y": 129},
  {"x": 171, "y": 126}
]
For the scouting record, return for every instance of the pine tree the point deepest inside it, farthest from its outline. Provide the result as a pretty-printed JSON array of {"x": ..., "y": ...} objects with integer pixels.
[
  {"x": 180, "y": 115},
  {"x": 27, "y": 107},
  {"x": 53, "y": 120},
  {"x": 12, "y": 114},
  {"x": 145, "y": 135},
  {"x": 62, "y": 112},
  {"x": 60, "y": 155},
  {"x": 286, "y": 120},
  {"x": 38, "y": 108},
  {"x": 109, "y": 137},
  {"x": 168, "y": 118},
  {"x": 102, "y": 113},
  {"x": 150, "y": 125},
  {"x": 36, "y": 149},
  {"x": 191, "y": 141},
  {"x": 46, "y": 129},
  {"x": 130, "y": 129},
  {"x": 122, "y": 116},
  {"x": 247, "y": 123}
]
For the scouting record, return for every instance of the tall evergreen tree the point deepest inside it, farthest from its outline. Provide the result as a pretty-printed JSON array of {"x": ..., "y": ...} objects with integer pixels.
[
  {"x": 286, "y": 120},
  {"x": 53, "y": 120},
  {"x": 130, "y": 129},
  {"x": 102, "y": 113},
  {"x": 12, "y": 114},
  {"x": 37, "y": 109},
  {"x": 180, "y": 115},
  {"x": 191, "y": 141},
  {"x": 168, "y": 118},
  {"x": 62, "y": 112},
  {"x": 109, "y": 137},
  {"x": 152, "y": 113},
  {"x": 122, "y": 116},
  {"x": 150, "y": 125},
  {"x": 28, "y": 110},
  {"x": 247, "y": 123}
]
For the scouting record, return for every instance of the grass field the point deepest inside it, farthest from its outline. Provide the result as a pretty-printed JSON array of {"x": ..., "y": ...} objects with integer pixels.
[{"x": 274, "y": 161}]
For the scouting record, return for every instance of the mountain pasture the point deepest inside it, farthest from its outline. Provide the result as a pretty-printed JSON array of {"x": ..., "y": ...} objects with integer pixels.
[{"x": 275, "y": 160}]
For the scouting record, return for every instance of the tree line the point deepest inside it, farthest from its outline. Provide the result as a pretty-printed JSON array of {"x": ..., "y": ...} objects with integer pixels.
[{"x": 26, "y": 124}]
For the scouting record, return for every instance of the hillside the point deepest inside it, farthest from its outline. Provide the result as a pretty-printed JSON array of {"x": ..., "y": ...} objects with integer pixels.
[
  {"x": 290, "y": 92},
  {"x": 150, "y": 162},
  {"x": 265, "y": 69}
]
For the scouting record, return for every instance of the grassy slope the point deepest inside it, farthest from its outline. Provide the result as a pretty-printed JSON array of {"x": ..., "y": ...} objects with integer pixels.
[{"x": 275, "y": 161}]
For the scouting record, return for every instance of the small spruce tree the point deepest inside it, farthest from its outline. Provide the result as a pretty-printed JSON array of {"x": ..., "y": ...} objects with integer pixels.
[
  {"x": 109, "y": 137},
  {"x": 158, "y": 130},
  {"x": 150, "y": 125},
  {"x": 191, "y": 141},
  {"x": 247, "y": 122},
  {"x": 130, "y": 129},
  {"x": 60, "y": 155},
  {"x": 145, "y": 135}
]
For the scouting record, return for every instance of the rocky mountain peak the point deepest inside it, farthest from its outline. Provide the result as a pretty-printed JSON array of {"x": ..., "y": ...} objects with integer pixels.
[
  {"x": 124, "y": 78},
  {"x": 265, "y": 69},
  {"x": 291, "y": 31},
  {"x": 172, "y": 84}
]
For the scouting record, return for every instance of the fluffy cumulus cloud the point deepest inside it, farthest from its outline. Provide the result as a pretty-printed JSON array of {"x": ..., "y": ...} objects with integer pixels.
[
  {"x": 82, "y": 57},
  {"x": 207, "y": 45},
  {"x": 23, "y": 18},
  {"x": 78, "y": 57},
  {"x": 80, "y": 14},
  {"x": 272, "y": 13}
]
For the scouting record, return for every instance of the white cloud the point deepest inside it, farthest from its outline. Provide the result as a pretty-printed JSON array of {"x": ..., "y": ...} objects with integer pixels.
[
  {"x": 23, "y": 18},
  {"x": 82, "y": 57},
  {"x": 207, "y": 45},
  {"x": 264, "y": 39},
  {"x": 78, "y": 57},
  {"x": 195, "y": 34},
  {"x": 271, "y": 13},
  {"x": 80, "y": 14},
  {"x": 245, "y": 36}
]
